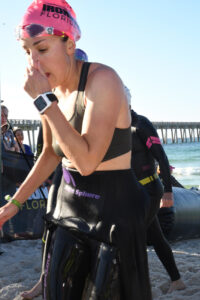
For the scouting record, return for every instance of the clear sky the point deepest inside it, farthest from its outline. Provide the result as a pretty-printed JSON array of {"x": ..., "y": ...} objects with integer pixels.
[{"x": 154, "y": 45}]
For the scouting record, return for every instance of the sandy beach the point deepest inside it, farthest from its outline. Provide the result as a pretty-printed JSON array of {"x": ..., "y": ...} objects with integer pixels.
[{"x": 21, "y": 260}]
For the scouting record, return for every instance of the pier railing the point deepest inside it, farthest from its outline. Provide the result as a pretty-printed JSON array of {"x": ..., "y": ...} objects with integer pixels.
[{"x": 176, "y": 132}]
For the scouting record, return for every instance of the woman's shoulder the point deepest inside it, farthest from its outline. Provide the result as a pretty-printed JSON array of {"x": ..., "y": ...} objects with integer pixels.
[
  {"x": 99, "y": 68},
  {"x": 103, "y": 76},
  {"x": 106, "y": 89}
]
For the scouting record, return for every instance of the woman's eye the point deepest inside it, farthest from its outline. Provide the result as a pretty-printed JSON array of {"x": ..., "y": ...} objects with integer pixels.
[{"x": 42, "y": 50}]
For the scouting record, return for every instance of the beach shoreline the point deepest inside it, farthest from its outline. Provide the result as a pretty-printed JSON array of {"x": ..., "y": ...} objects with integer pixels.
[{"x": 20, "y": 266}]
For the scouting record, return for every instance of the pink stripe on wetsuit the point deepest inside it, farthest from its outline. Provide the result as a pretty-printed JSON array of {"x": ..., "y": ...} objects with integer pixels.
[{"x": 152, "y": 140}]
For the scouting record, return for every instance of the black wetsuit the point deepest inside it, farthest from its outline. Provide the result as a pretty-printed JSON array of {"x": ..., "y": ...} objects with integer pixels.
[
  {"x": 174, "y": 181},
  {"x": 96, "y": 243},
  {"x": 146, "y": 148}
]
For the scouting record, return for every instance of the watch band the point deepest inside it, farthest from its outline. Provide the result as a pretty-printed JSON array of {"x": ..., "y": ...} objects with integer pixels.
[
  {"x": 51, "y": 96},
  {"x": 44, "y": 101}
]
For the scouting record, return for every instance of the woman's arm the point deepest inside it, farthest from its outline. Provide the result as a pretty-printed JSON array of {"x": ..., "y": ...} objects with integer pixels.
[
  {"x": 44, "y": 166},
  {"x": 104, "y": 94},
  {"x": 7, "y": 148}
]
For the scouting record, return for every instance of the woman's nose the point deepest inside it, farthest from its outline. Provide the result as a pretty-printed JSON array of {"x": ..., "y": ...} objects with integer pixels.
[{"x": 34, "y": 61}]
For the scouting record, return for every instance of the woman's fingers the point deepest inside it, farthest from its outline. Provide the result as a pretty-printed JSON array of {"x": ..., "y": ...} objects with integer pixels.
[
  {"x": 6, "y": 212},
  {"x": 36, "y": 82}
]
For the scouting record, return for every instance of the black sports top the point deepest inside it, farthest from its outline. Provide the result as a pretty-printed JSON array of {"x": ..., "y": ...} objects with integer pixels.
[
  {"x": 121, "y": 141},
  {"x": 146, "y": 149}
]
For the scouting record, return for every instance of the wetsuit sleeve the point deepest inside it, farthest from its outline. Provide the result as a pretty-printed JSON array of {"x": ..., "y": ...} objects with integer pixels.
[
  {"x": 149, "y": 136},
  {"x": 175, "y": 182}
]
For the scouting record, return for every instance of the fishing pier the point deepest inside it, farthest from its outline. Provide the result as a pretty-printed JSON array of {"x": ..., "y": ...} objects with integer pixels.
[
  {"x": 178, "y": 131},
  {"x": 173, "y": 132}
]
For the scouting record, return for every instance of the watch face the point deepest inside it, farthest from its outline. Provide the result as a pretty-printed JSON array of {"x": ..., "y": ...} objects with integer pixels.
[{"x": 40, "y": 103}]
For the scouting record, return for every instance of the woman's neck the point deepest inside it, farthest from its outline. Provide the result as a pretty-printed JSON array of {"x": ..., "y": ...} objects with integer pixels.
[{"x": 70, "y": 86}]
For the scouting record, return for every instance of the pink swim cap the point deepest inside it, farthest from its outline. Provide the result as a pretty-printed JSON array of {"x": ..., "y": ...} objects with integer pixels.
[{"x": 56, "y": 16}]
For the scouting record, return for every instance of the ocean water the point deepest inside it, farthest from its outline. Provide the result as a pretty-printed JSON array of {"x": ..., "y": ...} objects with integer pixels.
[{"x": 185, "y": 157}]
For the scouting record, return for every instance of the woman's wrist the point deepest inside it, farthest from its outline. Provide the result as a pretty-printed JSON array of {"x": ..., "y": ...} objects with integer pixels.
[{"x": 13, "y": 201}]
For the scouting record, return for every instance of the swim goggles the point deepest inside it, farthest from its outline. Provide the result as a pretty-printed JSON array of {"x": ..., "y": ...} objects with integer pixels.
[{"x": 33, "y": 30}]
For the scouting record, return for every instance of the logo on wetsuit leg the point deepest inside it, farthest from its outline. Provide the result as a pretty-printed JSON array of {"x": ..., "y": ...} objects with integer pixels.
[{"x": 46, "y": 274}]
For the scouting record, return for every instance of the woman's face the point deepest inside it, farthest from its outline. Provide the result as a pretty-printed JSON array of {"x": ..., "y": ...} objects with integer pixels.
[
  {"x": 19, "y": 135},
  {"x": 48, "y": 52},
  {"x": 4, "y": 116}
]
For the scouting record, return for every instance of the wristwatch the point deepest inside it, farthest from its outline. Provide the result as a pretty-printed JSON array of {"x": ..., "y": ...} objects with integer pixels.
[{"x": 44, "y": 101}]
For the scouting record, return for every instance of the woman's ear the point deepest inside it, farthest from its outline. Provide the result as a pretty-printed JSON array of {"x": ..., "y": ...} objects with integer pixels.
[{"x": 70, "y": 46}]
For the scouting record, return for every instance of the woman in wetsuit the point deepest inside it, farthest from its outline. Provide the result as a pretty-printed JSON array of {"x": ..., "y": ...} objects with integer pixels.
[
  {"x": 96, "y": 245},
  {"x": 53, "y": 182},
  {"x": 146, "y": 150}
]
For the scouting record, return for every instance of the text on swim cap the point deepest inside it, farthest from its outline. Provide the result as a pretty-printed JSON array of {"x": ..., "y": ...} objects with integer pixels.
[{"x": 56, "y": 12}]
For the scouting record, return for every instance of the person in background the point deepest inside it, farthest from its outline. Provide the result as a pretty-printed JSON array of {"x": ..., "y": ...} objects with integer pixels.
[
  {"x": 1, "y": 165},
  {"x": 19, "y": 138},
  {"x": 1, "y": 144},
  {"x": 8, "y": 139},
  {"x": 146, "y": 150}
]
